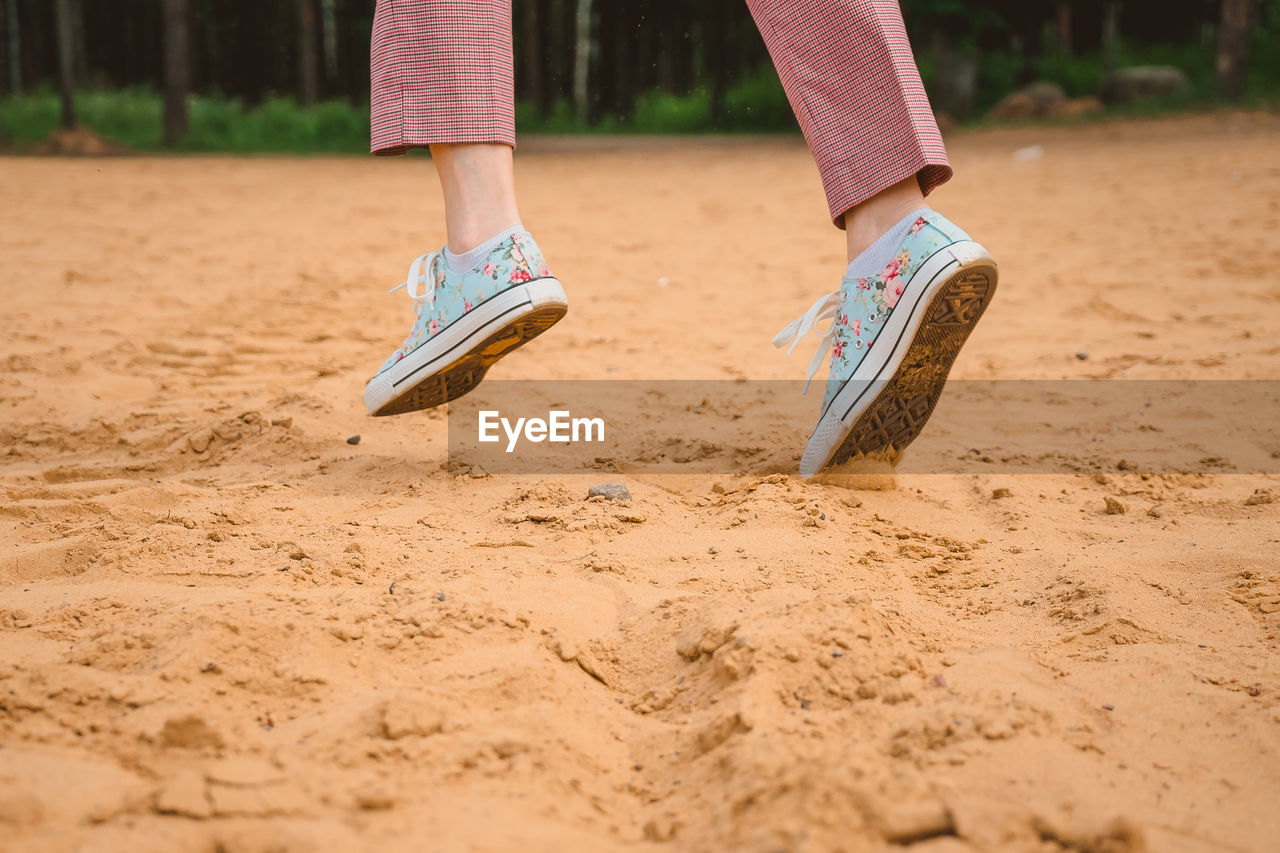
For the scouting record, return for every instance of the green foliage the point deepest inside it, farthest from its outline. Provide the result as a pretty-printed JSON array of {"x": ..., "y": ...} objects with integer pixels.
[
  {"x": 663, "y": 112},
  {"x": 23, "y": 120},
  {"x": 1077, "y": 75},
  {"x": 966, "y": 23},
  {"x": 1082, "y": 74},
  {"x": 998, "y": 73},
  {"x": 758, "y": 103},
  {"x": 755, "y": 103},
  {"x": 130, "y": 116},
  {"x": 1263, "y": 78},
  {"x": 134, "y": 118},
  {"x": 530, "y": 119},
  {"x": 1195, "y": 60},
  {"x": 279, "y": 125}
]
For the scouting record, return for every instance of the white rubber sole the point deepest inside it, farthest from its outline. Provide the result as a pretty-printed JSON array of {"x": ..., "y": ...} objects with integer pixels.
[
  {"x": 891, "y": 394},
  {"x": 454, "y": 361}
]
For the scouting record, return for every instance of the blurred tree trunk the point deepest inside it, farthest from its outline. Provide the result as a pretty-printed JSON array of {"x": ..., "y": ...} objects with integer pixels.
[
  {"x": 15, "y": 48},
  {"x": 329, "y": 31},
  {"x": 715, "y": 40},
  {"x": 531, "y": 50},
  {"x": 582, "y": 60},
  {"x": 1063, "y": 27},
  {"x": 1233, "y": 47},
  {"x": 1111, "y": 34},
  {"x": 177, "y": 71},
  {"x": 665, "y": 23},
  {"x": 79, "y": 47},
  {"x": 646, "y": 38},
  {"x": 553, "y": 57},
  {"x": 308, "y": 74},
  {"x": 954, "y": 86},
  {"x": 66, "y": 80},
  {"x": 686, "y": 71},
  {"x": 624, "y": 60}
]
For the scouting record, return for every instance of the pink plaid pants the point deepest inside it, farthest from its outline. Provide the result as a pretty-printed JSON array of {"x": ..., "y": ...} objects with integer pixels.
[{"x": 442, "y": 72}]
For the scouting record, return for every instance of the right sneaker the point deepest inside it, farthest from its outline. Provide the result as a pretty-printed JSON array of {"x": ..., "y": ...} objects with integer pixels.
[
  {"x": 893, "y": 338},
  {"x": 465, "y": 322}
]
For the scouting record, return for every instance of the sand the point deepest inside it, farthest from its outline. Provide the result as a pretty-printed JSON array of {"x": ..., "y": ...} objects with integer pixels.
[{"x": 224, "y": 627}]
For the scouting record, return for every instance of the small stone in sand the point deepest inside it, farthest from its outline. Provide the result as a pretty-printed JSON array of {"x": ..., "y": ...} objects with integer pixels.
[
  {"x": 355, "y": 439},
  {"x": 1082, "y": 355},
  {"x": 1259, "y": 497},
  {"x": 997, "y": 494},
  {"x": 190, "y": 732},
  {"x": 610, "y": 492},
  {"x": 375, "y": 800},
  {"x": 1114, "y": 507}
]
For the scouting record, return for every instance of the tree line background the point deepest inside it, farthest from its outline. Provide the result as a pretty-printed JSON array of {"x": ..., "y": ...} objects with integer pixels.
[{"x": 647, "y": 65}]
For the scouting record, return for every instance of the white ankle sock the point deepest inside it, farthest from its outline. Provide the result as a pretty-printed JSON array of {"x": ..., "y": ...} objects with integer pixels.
[
  {"x": 875, "y": 257},
  {"x": 464, "y": 261}
]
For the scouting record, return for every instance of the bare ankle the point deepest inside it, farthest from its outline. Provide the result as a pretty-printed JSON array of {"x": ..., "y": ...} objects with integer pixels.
[
  {"x": 866, "y": 222},
  {"x": 479, "y": 192},
  {"x": 464, "y": 236}
]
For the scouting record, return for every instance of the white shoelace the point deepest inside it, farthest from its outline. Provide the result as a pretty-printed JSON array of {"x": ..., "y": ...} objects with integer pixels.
[
  {"x": 421, "y": 273},
  {"x": 825, "y": 308}
]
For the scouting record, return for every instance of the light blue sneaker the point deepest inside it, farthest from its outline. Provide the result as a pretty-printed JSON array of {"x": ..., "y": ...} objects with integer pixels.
[
  {"x": 465, "y": 322},
  {"x": 892, "y": 340}
]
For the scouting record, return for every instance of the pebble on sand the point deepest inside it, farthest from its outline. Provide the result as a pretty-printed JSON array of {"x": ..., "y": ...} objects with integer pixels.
[
  {"x": 190, "y": 731},
  {"x": 610, "y": 492},
  {"x": 1114, "y": 507},
  {"x": 1260, "y": 497},
  {"x": 355, "y": 439}
]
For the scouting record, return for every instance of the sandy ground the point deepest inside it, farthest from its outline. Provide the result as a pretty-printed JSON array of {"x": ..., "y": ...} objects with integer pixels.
[{"x": 223, "y": 627}]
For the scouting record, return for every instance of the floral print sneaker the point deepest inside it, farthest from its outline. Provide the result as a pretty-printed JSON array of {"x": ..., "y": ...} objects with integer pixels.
[
  {"x": 464, "y": 323},
  {"x": 892, "y": 340}
]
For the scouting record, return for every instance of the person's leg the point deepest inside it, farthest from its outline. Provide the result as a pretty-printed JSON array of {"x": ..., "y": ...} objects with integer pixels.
[
  {"x": 916, "y": 284},
  {"x": 479, "y": 191},
  {"x": 441, "y": 75},
  {"x": 866, "y": 221},
  {"x": 852, "y": 81}
]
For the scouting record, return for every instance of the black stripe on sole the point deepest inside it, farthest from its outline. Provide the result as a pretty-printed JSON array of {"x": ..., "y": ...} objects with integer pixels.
[
  {"x": 465, "y": 373},
  {"x": 902, "y": 407}
]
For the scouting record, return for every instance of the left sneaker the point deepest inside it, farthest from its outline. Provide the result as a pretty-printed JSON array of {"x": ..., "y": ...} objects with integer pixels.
[
  {"x": 464, "y": 323},
  {"x": 893, "y": 338}
]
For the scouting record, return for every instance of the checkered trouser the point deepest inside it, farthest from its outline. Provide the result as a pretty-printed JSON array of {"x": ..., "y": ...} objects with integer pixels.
[{"x": 442, "y": 72}]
